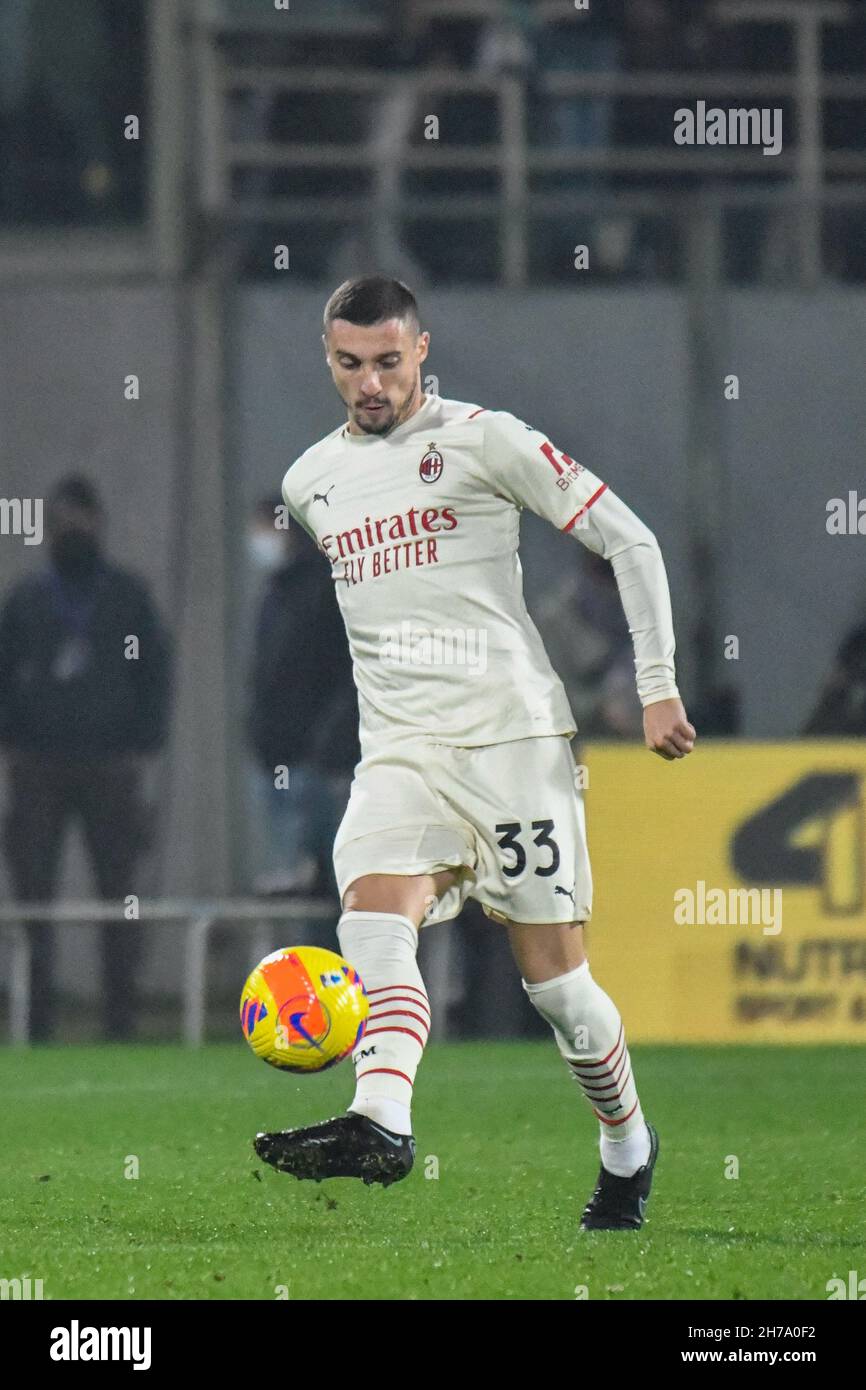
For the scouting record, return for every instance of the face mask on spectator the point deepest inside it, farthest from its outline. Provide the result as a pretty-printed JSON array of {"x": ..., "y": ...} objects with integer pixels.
[
  {"x": 267, "y": 551},
  {"x": 75, "y": 552}
]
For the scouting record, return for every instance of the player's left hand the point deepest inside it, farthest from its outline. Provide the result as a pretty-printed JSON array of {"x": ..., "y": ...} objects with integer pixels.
[{"x": 667, "y": 730}]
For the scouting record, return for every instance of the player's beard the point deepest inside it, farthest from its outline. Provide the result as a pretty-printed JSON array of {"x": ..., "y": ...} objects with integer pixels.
[{"x": 399, "y": 415}]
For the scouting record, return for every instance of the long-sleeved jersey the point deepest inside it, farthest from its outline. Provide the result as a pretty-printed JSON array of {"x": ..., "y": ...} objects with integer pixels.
[{"x": 421, "y": 528}]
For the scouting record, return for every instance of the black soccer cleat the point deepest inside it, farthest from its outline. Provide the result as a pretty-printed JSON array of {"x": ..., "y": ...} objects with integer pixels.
[
  {"x": 349, "y": 1146},
  {"x": 618, "y": 1204}
]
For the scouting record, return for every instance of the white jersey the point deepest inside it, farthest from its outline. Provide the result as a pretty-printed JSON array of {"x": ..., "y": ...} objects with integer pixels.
[{"x": 421, "y": 529}]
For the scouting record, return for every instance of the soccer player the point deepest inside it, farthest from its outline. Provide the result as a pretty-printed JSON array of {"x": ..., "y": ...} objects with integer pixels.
[{"x": 466, "y": 784}]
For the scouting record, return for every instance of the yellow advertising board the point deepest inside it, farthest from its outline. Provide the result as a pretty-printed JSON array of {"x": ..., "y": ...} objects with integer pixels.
[{"x": 729, "y": 890}]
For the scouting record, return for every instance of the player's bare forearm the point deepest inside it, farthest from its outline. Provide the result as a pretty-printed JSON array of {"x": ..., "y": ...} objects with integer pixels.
[{"x": 667, "y": 730}]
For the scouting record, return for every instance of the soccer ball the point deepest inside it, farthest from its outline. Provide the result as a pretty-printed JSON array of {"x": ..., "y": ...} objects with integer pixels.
[{"x": 304, "y": 1009}]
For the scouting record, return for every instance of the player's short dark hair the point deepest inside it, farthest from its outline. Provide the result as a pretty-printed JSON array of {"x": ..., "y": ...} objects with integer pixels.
[
  {"x": 77, "y": 491},
  {"x": 370, "y": 299}
]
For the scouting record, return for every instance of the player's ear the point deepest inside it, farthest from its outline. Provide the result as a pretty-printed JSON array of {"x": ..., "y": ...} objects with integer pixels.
[
  {"x": 423, "y": 346},
  {"x": 325, "y": 346}
]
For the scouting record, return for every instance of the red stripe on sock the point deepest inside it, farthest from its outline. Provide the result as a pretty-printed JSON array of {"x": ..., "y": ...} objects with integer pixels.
[
  {"x": 610, "y": 1078},
  {"x": 395, "y": 1029},
  {"x": 621, "y": 1065},
  {"x": 616, "y": 1091},
  {"x": 591, "y": 1090},
  {"x": 382, "y": 988},
  {"x": 617, "y": 1094},
  {"x": 613, "y": 1123},
  {"x": 389, "y": 1071},
  {"x": 592, "y": 1065},
  {"x": 593, "y": 1094},
  {"x": 614, "y": 1076},
  {"x": 399, "y": 999},
  {"x": 401, "y": 1013}
]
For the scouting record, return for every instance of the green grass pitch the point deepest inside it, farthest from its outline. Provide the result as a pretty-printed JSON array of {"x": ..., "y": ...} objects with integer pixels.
[{"x": 516, "y": 1154}]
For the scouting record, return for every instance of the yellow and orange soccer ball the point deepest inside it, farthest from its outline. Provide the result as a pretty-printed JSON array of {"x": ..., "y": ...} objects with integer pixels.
[{"x": 304, "y": 1009}]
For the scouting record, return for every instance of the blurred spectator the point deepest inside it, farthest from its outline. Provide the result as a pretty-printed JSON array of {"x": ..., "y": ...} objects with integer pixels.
[
  {"x": 841, "y": 708},
  {"x": 77, "y": 714},
  {"x": 303, "y": 712}
]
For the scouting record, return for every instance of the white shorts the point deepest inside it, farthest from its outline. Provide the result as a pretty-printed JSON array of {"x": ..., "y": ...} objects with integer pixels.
[{"x": 509, "y": 816}]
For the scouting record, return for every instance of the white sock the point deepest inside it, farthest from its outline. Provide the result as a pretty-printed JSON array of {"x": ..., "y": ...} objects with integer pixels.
[
  {"x": 625, "y": 1156},
  {"x": 590, "y": 1036},
  {"x": 391, "y": 1114},
  {"x": 382, "y": 946}
]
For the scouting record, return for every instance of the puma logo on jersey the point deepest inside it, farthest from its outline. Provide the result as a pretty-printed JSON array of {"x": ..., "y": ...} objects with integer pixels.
[
  {"x": 323, "y": 496},
  {"x": 565, "y": 893}
]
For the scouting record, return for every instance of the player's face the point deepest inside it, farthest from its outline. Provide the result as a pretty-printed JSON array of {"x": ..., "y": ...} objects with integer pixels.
[{"x": 377, "y": 371}]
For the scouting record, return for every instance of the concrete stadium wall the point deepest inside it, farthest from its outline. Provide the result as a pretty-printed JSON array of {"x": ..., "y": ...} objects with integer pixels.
[{"x": 795, "y": 439}]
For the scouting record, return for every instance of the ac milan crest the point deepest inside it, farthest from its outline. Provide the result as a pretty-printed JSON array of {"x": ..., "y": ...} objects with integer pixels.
[{"x": 431, "y": 465}]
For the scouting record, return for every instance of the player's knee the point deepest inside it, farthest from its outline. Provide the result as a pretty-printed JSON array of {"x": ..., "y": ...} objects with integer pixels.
[
  {"x": 412, "y": 896},
  {"x": 380, "y": 893}
]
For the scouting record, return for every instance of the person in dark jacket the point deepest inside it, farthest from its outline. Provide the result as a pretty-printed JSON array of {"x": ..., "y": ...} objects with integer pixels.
[
  {"x": 84, "y": 696},
  {"x": 303, "y": 710}
]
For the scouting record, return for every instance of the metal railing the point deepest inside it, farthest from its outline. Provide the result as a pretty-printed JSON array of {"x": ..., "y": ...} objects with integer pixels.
[
  {"x": 189, "y": 130},
  {"x": 197, "y": 918},
  {"x": 396, "y": 102}
]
